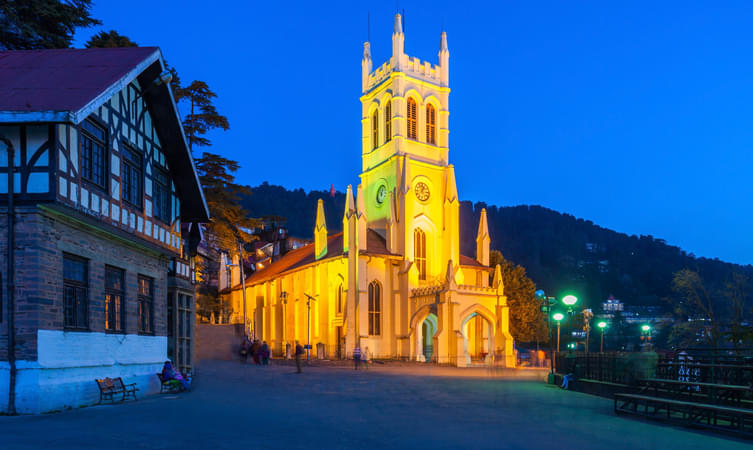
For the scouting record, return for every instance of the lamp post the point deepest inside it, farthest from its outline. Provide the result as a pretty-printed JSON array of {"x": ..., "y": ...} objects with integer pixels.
[
  {"x": 284, "y": 300},
  {"x": 308, "y": 325},
  {"x": 243, "y": 284},
  {"x": 558, "y": 318},
  {"x": 546, "y": 305},
  {"x": 569, "y": 301},
  {"x": 645, "y": 335},
  {"x": 602, "y": 325}
]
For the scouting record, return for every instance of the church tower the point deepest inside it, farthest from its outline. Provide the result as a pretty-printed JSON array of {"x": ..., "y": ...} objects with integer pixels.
[{"x": 408, "y": 183}]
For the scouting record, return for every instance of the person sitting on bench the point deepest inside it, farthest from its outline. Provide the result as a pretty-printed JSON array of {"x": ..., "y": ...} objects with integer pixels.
[
  {"x": 169, "y": 374},
  {"x": 566, "y": 380}
]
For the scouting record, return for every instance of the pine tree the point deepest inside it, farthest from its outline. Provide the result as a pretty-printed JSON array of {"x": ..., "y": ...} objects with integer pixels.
[
  {"x": 229, "y": 223},
  {"x": 203, "y": 115},
  {"x": 41, "y": 24},
  {"x": 109, "y": 39}
]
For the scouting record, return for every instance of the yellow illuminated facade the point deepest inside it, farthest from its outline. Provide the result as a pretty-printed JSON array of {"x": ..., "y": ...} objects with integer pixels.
[{"x": 394, "y": 280}]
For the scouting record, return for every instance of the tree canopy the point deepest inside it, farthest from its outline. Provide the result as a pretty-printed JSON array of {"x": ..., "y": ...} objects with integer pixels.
[
  {"x": 527, "y": 322},
  {"x": 229, "y": 220},
  {"x": 202, "y": 115},
  {"x": 109, "y": 39},
  {"x": 42, "y": 24}
]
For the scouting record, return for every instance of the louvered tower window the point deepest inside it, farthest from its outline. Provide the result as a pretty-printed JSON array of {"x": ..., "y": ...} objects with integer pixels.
[
  {"x": 412, "y": 116},
  {"x": 431, "y": 124}
]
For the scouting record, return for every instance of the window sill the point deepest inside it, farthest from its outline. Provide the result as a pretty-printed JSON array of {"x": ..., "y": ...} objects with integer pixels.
[
  {"x": 140, "y": 209},
  {"x": 76, "y": 330},
  {"x": 115, "y": 332},
  {"x": 143, "y": 333},
  {"x": 94, "y": 186}
]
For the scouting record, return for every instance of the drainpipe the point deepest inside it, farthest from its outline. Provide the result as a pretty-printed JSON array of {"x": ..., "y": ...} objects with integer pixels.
[{"x": 11, "y": 288}]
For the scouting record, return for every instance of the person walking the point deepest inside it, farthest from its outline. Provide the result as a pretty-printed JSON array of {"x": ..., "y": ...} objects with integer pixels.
[
  {"x": 366, "y": 357},
  {"x": 245, "y": 348},
  {"x": 255, "y": 347},
  {"x": 298, "y": 354},
  {"x": 357, "y": 357},
  {"x": 264, "y": 353}
]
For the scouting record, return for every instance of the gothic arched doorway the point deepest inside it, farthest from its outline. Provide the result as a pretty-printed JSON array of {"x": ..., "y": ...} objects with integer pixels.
[
  {"x": 478, "y": 338},
  {"x": 425, "y": 338}
]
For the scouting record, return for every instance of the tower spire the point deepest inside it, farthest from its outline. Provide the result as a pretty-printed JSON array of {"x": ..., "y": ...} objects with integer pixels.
[
  {"x": 444, "y": 60},
  {"x": 350, "y": 209},
  {"x": 398, "y": 43},
  {"x": 320, "y": 231},
  {"x": 365, "y": 66},
  {"x": 482, "y": 240}
]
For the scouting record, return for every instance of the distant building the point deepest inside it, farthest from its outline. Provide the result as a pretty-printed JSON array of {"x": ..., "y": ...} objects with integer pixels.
[
  {"x": 612, "y": 305},
  {"x": 644, "y": 314},
  {"x": 98, "y": 270}
]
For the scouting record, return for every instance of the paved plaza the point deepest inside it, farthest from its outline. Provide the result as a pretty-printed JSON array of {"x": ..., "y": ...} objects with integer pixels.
[{"x": 330, "y": 406}]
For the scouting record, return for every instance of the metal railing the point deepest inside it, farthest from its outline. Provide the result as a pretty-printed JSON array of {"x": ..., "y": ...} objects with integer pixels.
[{"x": 721, "y": 366}]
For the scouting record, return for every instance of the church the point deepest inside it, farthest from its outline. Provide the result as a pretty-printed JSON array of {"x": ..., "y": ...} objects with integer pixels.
[{"x": 393, "y": 282}]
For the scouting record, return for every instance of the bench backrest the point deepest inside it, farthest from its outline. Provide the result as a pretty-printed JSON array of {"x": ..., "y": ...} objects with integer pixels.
[
  {"x": 118, "y": 383},
  {"x": 105, "y": 384}
]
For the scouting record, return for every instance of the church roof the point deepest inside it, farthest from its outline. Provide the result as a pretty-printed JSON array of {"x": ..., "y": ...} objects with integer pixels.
[
  {"x": 294, "y": 259},
  {"x": 298, "y": 258},
  {"x": 468, "y": 261}
]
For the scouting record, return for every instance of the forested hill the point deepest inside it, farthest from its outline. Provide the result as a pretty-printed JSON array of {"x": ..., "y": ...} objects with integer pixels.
[{"x": 559, "y": 252}]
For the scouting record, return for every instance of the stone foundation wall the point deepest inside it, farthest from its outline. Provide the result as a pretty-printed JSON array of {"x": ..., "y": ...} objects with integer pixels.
[{"x": 57, "y": 367}]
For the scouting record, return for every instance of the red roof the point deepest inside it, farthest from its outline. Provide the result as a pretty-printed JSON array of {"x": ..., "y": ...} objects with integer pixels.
[
  {"x": 64, "y": 79},
  {"x": 304, "y": 256},
  {"x": 468, "y": 261}
]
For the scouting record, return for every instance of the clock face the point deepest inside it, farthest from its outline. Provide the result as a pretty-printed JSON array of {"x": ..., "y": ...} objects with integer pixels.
[
  {"x": 422, "y": 191},
  {"x": 381, "y": 194}
]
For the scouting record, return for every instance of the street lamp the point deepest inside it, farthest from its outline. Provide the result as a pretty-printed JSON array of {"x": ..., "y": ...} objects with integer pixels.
[
  {"x": 602, "y": 325},
  {"x": 558, "y": 318},
  {"x": 546, "y": 305},
  {"x": 569, "y": 300},
  {"x": 646, "y": 334},
  {"x": 308, "y": 325},
  {"x": 284, "y": 300},
  {"x": 243, "y": 284}
]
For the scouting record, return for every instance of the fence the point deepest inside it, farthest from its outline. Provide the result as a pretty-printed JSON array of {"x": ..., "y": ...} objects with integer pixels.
[
  {"x": 723, "y": 366},
  {"x": 615, "y": 367}
]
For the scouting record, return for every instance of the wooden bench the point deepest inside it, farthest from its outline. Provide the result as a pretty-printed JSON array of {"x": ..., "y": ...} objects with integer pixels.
[
  {"x": 726, "y": 418},
  {"x": 110, "y": 387},
  {"x": 129, "y": 390},
  {"x": 726, "y": 394},
  {"x": 168, "y": 385}
]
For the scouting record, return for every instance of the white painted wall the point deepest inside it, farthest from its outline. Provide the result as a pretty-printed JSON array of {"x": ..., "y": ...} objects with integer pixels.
[{"x": 69, "y": 362}]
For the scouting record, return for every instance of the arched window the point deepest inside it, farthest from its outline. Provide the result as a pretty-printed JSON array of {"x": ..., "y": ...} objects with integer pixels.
[
  {"x": 419, "y": 252},
  {"x": 375, "y": 308},
  {"x": 375, "y": 129},
  {"x": 339, "y": 304},
  {"x": 388, "y": 121},
  {"x": 412, "y": 116},
  {"x": 431, "y": 124}
]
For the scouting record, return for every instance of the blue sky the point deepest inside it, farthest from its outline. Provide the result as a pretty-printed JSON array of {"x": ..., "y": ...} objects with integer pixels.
[{"x": 637, "y": 116}]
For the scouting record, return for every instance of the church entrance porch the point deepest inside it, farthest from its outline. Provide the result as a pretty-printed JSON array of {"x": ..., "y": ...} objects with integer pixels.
[
  {"x": 478, "y": 339},
  {"x": 425, "y": 339}
]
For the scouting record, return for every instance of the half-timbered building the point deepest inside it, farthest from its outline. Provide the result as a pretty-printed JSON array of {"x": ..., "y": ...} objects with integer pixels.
[{"x": 96, "y": 180}]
